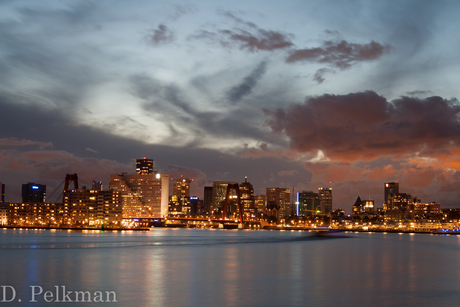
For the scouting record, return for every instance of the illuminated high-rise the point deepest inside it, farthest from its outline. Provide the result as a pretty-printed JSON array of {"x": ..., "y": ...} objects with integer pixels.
[
  {"x": 391, "y": 192},
  {"x": 181, "y": 188},
  {"x": 144, "y": 166},
  {"x": 219, "y": 191},
  {"x": 247, "y": 199},
  {"x": 142, "y": 196},
  {"x": 325, "y": 197}
]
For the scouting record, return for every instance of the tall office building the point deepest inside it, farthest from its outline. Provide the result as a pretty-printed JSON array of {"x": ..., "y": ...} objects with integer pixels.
[
  {"x": 181, "y": 188},
  {"x": 2, "y": 192},
  {"x": 260, "y": 203},
  {"x": 279, "y": 198},
  {"x": 144, "y": 166},
  {"x": 308, "y": 203},
  {"x": 33, "y": 193},
  {"x": 142, "y": 196},
  {"x": 325, "y": 197},
  {"x": 391, "y": 192},
  {"x": 247, "y": 199},
  {"x": 207, "y": 200},
  {"x": 219, "y": 191}
]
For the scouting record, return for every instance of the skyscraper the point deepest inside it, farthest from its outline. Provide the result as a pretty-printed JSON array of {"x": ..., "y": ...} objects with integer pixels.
[
  {"x": 219, "y": 191},
  {"x": 33, "y": 193},
  {"x": 207, "y": 200},
  {"x": 181, "y": 188},
  {"x": 142, "y": 196},
  {"x": 144, "y": 166},
  {"x": 391, "y": 191},
  {"x": 325, "y": 197},
  {"x": 279, "y": 198},
  {"x": 308, "y": 203},
  {"x": 247, "y": 199}
]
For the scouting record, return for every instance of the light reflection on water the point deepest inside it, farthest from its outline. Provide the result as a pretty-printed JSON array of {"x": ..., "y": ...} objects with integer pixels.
[{"x": 200, "y": 267}]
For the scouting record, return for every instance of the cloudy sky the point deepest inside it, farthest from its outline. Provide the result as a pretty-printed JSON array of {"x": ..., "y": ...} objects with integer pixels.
[{"x": 303, "y": 94}]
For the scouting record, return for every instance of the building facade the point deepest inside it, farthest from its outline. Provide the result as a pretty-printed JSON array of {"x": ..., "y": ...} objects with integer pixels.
[
  {"x": 325, "y": 197},
  {"x": 142, "y": 196},
  {"x": 33, "y": 193},
  {"x": 93, "y": 207},
  {"x": 207, "y": 200},
  {"x": 2, "y": 192},
  {"x": 144, "y": 166},
  {"x": 219, "y": 191},
  {"x": 308, "y": 203},
  {"x": 391, "y": 191},
  {"x": 247, "y": 199},
  {"x": 279, "y": 199}
]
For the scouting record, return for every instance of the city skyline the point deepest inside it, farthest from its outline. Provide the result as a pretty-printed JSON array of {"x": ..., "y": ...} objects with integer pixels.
[{"x": 290, "y": 94}]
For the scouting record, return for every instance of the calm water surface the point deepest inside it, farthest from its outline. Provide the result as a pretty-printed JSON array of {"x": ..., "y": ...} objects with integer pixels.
[{"x": 203, "y": 267}]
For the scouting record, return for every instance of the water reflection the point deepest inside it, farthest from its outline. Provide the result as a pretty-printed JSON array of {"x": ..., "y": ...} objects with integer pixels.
[{"x": 197, "y": 267}]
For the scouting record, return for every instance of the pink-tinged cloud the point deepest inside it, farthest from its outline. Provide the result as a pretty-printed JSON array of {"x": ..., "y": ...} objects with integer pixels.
[
  {"x": 365, "y": 126},
  {"x": 340, "y": 54},
  {"x": 4, "y": 142},
  {"x": 54, "y": 165}
]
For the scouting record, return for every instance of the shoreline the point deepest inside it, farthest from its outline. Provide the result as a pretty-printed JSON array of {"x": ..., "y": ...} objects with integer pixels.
[{"x": 73, "y": 228}]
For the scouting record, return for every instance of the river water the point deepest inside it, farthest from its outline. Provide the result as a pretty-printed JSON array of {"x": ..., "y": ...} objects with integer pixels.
[{"x": 205, "y": 267}]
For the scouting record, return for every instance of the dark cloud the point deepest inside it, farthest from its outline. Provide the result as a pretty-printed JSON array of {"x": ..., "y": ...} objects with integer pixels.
[
  {"x": 261, "y": 40},
  {"x": 365, "y": 125},
  {"x": 249, "y": 82},
  {"x": 160, "y": 36},
  {"x": 318, "y": 77},
  {"x": 340, "y": 54},
  {"x": 248, "y": 36},
  {"x": 417, "y": 93}
]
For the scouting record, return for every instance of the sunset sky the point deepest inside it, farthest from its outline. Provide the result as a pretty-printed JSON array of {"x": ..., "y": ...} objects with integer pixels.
[{"x": 303, "y": 94}]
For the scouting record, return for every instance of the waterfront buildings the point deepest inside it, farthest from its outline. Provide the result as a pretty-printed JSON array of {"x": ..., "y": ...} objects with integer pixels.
[
  {"x": 93, "y": 207},
  {"x": 33, "y": 193},
  {"x": 363, "y": 206},
  {"x": 3, "y": 214},
  {"x": 142, "y": 196},
  {"x": 279, "y": 202}
]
